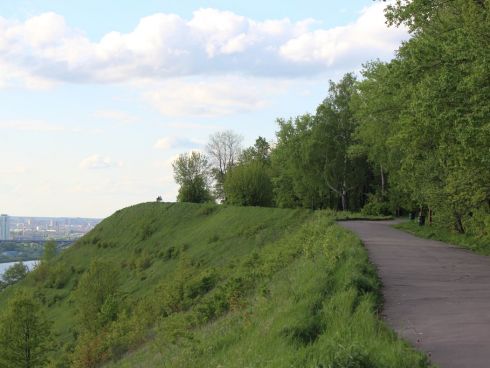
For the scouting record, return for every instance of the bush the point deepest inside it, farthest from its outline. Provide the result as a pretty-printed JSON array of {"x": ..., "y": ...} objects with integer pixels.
[
  {"x": 376, "y": 206},
  {"x": 14, "y": 274},
  {"x": 249, "y": 185},
  {"x": 57, "y": 276},
  {"x": 195, "y": 191}
]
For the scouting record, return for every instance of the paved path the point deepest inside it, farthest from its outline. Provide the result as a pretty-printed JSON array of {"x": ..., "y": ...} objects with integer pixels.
[{"x": 436, "y": 296}]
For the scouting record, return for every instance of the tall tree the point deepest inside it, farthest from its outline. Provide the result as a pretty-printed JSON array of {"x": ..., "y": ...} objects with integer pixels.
[
  {"x": 192, "y": 173},
  {"x": 224, "y": 149},
  {"x": 260, "y": 151},
  {"x": 312, "y": 165},
  {"x": 334, "y": 129},
  {"x": 49, "y": 251},
  {"x": 440, "y": 132},
  {"x": 24, "y": 334}
]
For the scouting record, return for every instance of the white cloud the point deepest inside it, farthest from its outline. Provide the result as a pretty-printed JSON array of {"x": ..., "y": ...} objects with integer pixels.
[
  {"x": 365, "y": 39},
  {"x": 43, "y": 49},
  {"x": 99, "y": 162},
  {"x": 30, "y": 125},
  {"x": 117, "y": 115},
  {"x": 213, "y": 97},
  {"x": 176, "y": 142}
]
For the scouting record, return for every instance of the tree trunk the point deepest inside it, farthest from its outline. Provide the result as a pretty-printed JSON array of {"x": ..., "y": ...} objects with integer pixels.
[
  {"x": 344, "y": 200},
  {"x": 382, "y": 182},
  {"x": 459, "y": 223}
]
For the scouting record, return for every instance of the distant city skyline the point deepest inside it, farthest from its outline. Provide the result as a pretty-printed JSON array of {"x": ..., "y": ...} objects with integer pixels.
[
  {"x": 43, "y": 228},
  {"x": 4, "y": 227},
  {"x": 98, "y": 98}
]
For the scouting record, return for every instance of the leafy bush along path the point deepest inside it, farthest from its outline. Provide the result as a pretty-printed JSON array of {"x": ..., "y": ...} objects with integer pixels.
[{"x": 436, "y": 295}]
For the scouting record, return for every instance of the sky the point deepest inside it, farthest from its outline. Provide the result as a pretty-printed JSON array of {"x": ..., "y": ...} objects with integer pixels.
[{"x": 97, "y": 98}]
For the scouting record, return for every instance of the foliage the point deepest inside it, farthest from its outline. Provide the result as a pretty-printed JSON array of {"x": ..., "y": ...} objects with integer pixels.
[
  {"x": 249, "y": 184},
  {"x": 309, "y": 299},
  {"x": 376, "y": 206},
  {"x": 311, "y": 164},
  {"x": 425, "y": 115},
  {"x": 215, "y": 278},
  {"x": 260, "y": 152},
  {"x": 97, "y": 296},
  {"x": 24, "y": 333},
  {"x": 13, "y": 274},
  {"x": 195, "y": 191},
  {"x": 49, "y": 251},
  {"x": 473, "y": 241},
  {"x": 224, "y": 148},
  {"x": 191, "y": 172}
]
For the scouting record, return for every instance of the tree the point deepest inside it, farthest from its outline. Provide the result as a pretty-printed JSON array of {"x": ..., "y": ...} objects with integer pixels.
[
  {"x": 192, "y": 173},
  {"x": 49, "y": 251},
  {"x": 424, "y": 117},
  {"x": 97, "y": 296},
  {"x": 311, "y": 163},
  {"x": 249, "y": 184},
  {"x": 224, "y": 149},
  {"x": 195, "y": 191},
  {"x": 295, "y": 166},
  {"x": 336, "y": 124},
  {"x": 443, "y": 128},
  {"x": 24, "y": 334},
  {"x": 260, "y": 151},
  {"x": 14, "y": 274},
  {"x": 377, "y": 105}
]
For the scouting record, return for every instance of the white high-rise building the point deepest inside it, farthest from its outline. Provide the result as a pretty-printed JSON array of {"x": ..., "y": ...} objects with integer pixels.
[{"x": 4, "y": 227}]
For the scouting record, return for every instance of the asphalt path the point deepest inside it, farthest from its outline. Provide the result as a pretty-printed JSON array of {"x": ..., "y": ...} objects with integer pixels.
[{"x": 436, "y": 296}]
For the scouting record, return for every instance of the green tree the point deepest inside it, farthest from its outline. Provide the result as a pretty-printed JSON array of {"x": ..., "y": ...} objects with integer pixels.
[
  {"x": 249, "y": 184},
  {"x": 192, "y": 173},
  {"x": 260, "y": 151},
  {"x": 49, "y": 251},
  {"x": 224, "y": 149},
  {"x": 97, "y": 296},
  {"x": 443, "y": 127},
  {"x": 311, "y": 163},
  {"x": 24, "y": 334},
  {"x": 344, "y": 175},
  {"x": 14, "y": 273}
]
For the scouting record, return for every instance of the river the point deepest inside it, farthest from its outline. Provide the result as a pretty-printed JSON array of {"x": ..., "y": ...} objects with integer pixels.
[{"x": 4, "y": 266}]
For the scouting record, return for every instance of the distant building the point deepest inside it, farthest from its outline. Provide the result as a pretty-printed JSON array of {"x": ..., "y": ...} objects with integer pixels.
[{"x": 4, "y": 227}]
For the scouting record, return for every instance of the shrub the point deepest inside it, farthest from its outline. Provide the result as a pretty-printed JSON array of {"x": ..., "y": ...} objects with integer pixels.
[
  {"x": 376, "y": 206},
  {"x": 249, "y": 185}
]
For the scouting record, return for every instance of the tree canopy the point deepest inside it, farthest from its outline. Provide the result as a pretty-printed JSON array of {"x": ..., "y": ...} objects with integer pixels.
[
  {"x": 192, "y": 173},
  {"x": 412, "y": 134}
]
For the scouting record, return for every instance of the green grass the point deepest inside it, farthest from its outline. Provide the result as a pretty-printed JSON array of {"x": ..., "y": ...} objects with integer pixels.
[
  {"x": 317, "y": 310},
  {"x": 442, "y": 233},
  {"x": 223, "y": 286}
]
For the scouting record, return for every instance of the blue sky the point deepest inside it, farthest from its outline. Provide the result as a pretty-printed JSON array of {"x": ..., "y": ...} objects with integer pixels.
[{"x": 99, "y": 97}]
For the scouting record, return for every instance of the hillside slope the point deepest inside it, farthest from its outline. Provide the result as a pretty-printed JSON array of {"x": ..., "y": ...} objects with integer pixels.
[{"x": 207, "y": 285}]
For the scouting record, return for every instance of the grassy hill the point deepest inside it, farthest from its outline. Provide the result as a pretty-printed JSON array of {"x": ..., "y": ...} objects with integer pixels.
[{"x": 216, "y": 286}]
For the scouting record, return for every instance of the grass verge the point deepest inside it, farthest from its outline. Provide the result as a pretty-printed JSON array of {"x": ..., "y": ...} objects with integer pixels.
[
  {"x": 314, "y": 303},
  {"x": 443, "y": 234}
]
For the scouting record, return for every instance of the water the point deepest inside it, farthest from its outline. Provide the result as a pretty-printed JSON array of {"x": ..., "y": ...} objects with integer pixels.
[{"x": 4, "y": 266}]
